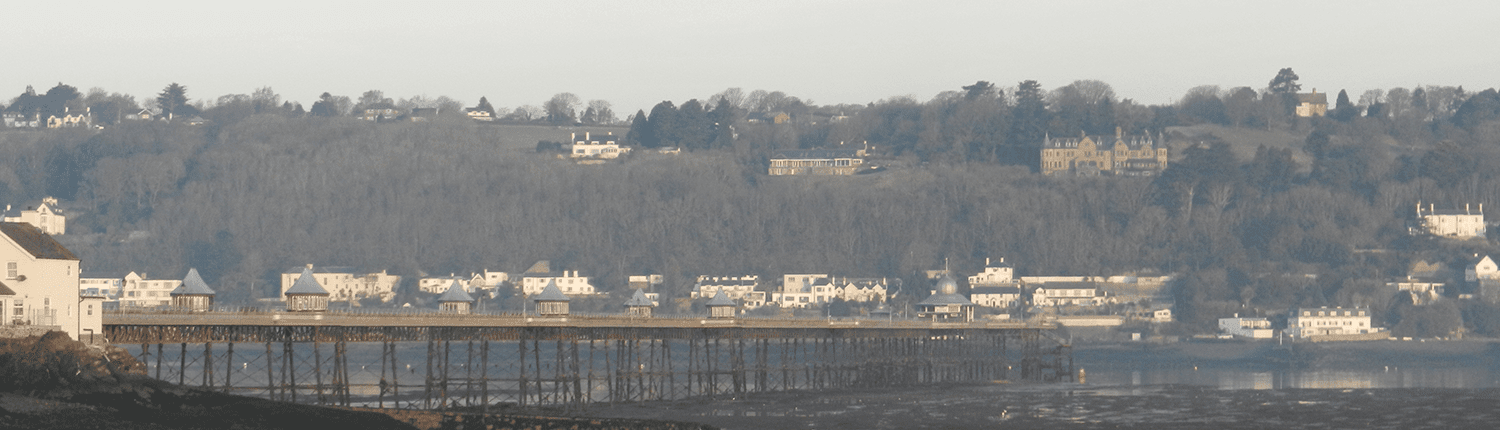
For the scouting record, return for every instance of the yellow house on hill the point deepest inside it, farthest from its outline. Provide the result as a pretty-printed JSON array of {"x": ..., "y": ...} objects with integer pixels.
[{"x": 1085, "y": 156}]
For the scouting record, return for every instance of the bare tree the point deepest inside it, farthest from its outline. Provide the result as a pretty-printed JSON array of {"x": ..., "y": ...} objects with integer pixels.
[
  {"x": 562, "y": 108},
  {"x": 604, "y": 113}
]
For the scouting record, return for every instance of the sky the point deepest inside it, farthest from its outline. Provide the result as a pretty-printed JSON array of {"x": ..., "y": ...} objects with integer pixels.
[{"x": 637, "y": 53}]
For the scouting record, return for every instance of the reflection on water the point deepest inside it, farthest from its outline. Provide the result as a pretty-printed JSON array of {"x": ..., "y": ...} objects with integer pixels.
[{"x": 1237, "y": 379}]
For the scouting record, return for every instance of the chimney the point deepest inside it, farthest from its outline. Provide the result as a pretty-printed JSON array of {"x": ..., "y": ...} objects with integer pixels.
[
  {"x": 1119, "y": 132},
  {"x": 309, "y": 265}
]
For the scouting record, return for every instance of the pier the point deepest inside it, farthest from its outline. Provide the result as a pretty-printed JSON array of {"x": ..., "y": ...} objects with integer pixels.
[{"x": 437, "y": 361}]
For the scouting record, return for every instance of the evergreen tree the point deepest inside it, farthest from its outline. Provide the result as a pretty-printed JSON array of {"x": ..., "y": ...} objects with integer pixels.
[
  {"x": 173, "y": 100},
  {"x": 662, "y": 126},
  {"x": 325, "y": 106},
  {"x": 639, "y": 129},
  {"x": 1285, "y": 86},
  {"x": 1344, "y": 110},
  {"x": 484, "y": 105}
]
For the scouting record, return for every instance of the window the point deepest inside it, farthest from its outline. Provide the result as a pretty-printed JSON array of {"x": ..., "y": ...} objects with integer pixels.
[{"x": 12, "y": 269}]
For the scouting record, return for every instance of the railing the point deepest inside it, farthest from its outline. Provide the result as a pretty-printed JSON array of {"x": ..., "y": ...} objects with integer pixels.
[{"x": 427, "y": 317}]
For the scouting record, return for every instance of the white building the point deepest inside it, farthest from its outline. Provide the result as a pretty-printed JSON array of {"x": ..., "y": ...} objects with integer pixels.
[
  {"x": 485, "y": 280},
  {"x": 860, "y": 289},
  {"x": 1306, "y": 322},
  {"x": 603, "y": 146},
  {"x": 40, "y": 283},
  {"x": 568, "y": 283},
  {"x": 803, "y": 290},
  {"x": 994, "y": 275},
  {"x": 94, "y": 285},
  {"x": 138, "y": 291},
  {"x": 1067, "y": 294},
  {"x": 742, "y": 288},
  {"x": 43, "y": 214},
  {"x": 997, "y": 296},
  {"x": 1460, "y": 224},
  {"x": 1253, "y": 328},
  {"x": 345, "y": 283}
]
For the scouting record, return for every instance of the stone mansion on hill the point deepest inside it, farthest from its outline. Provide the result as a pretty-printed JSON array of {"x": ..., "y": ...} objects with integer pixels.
[{"x": 1138, "y": 155}]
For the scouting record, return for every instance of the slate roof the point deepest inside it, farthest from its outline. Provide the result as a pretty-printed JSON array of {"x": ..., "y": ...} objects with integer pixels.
[
  {"x": 947, "y": 294},
  {"x": 814, "y": 154},
  {"x": 35, "y": 242},
  {"x": 995, "y": 290},
  {"x": 455, "y": 293},
  {"x": 5, "y": 290},
  {"x": 306, "y": 284},
  {"x": 721, "y": 300},
  {"x": 551, "y": 294},
  {"x": 192, "y": 284},
  {"x": 638, "y": 299},
  {"x": 1314, "y": 97},
  {"x": 15, "y": 211}
]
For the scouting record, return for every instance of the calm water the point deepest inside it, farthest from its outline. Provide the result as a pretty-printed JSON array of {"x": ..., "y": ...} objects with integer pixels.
[{"x": 1238, "y": 379}]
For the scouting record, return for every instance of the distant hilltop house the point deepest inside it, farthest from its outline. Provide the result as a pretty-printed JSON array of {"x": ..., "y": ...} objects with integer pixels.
[
  {"x": 816, "y": 162},
  {"x": 65, "y": 119},
  {"x": 380, "y": 112},
  {"x": 1312, "y": 104},
  {"x": 423, "y": 114},
  {"x": 481, "y": 115},
  {"x": 1138, "y": 155},
  {"x": 345, "y": 283},
  {"x": 596, "y": 146},
  {"x": 43, "y": 214},
  {"x": 1484, "y": 278},
  {"x": 1466, "y": 223}
]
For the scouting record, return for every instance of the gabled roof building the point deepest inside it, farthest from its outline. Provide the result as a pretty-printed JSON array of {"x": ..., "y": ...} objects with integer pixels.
[
  {"x": 193, "y": 294},
  {"x": 306, "y": 295}
]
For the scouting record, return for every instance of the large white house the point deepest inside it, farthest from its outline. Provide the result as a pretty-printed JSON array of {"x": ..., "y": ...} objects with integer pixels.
[
  {"x": 485, "y": 280},
  {"x": 1067, "y": 294},
  {"x": 803, "y": 290},
  {"x": 40, "y": 283},
  {"x": 1459, "y": 223},
  {"x": 601, "y": 146},
  {"x": 569, "y": 282},
  {"x": 43, "y": 214},
  {"x": 994, "y": 274},
  {"x": 345, "y": 283},
  {"x": 1307, "y": 322}
]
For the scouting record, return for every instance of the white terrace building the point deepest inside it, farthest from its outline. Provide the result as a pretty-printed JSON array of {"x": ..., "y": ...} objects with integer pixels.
[
  {"x": 1067, "y": 294},
  {"x": 43, "y": 214},
  {"x": 485, "y": 280},
  {"x": 1307, "y": 322},
  {"x": 803, "y": 290},
  {"x": 1246, "y": 327},
  {"x": 568, "y": 283},
  {"x": 602, "y": 146},
  {"x": 1459, "y": 223}
]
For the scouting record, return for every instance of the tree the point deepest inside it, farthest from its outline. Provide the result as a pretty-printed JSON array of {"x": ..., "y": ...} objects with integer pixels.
[
  {"x": 1240, "y": 106},
  {"x": 1202, "y": 104},
  {"x": 60, "y": 99},
  {"x": 173, "y": 100},
  {"x": 373, "y": 99},
  {"x": 661, "y": 126},
  {"x": 1479, "y": 109},
  {"x": 1344, "y": 110},
  {"x": 1284, "y": 86},
  {"x": 326, "y": 106},
  {"x": 1285, "y": 83},
  {"x": 484, "y": 106},
  {"x": 604, "y": 113},
  {"x": 979, "y": 89},
  {"x": 639, "y": 129},
  {"x": 562, "y": 108},
  {"x": 1030, "y": 117}
]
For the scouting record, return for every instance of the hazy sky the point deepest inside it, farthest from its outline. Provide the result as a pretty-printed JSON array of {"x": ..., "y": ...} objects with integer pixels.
[{"x": 637, "y": 53}]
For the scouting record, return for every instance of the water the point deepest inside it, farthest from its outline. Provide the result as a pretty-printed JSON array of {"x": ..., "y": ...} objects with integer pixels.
[{"x": 1472, "y": 378}]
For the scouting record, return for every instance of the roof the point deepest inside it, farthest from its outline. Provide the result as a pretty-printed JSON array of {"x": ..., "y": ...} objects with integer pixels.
[
  {"x": 455, "y": 293},
  {"x": 551, "y": 294},
  {"x": 1068, "y": 285},
  {"x": 15, "y": 211},
  {"x": 803, "y": 154},
  {"x": 1102, "y": 143},
  {"x": 325, "y": 269},
  {"x": 995, "y": 290},
  {"x": 721, "y": 299},
  {"x": 945, "y": 299},
  {"x": 638, "y": 299},
  {"x": 306, "y": 284},
  {"x": 192, "y": 284},
  {"x": 1314, "y": 97},
  {"x": 5, "y": 290},
  {"x": 35, "y": 242}
]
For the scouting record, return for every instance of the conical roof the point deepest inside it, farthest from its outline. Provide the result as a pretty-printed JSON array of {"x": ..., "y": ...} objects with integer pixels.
[
  {"x": 639, "y": 299},
  {"x": 551, "y": 293},
  {"x": 455, "y": 293},
  {"x": 721, "y": 299},
  {"x": 193, "y": 284},
  {"x": 306, "y": 284}
]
